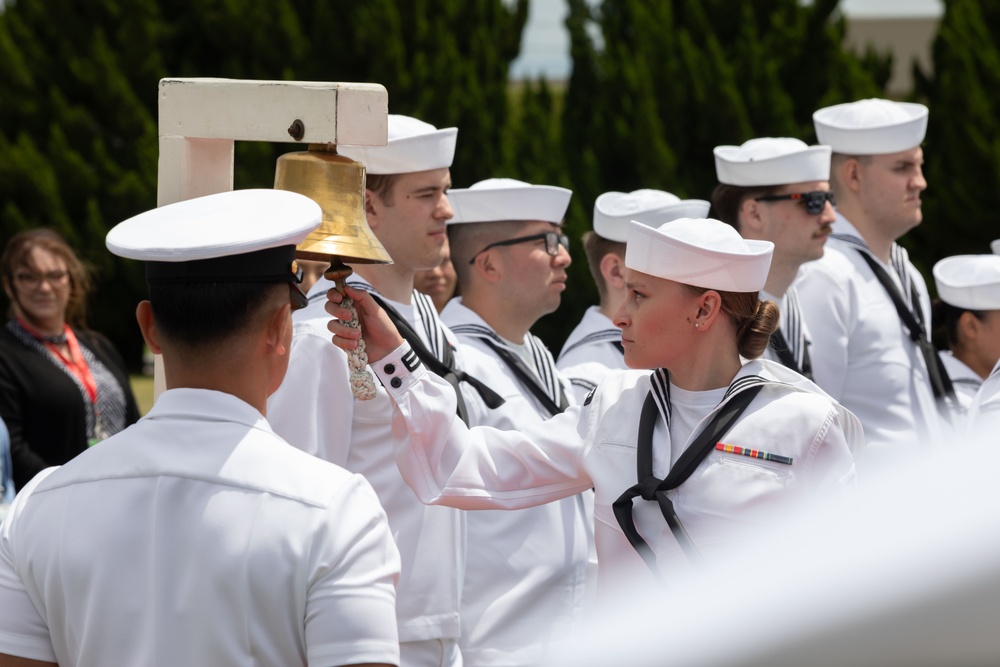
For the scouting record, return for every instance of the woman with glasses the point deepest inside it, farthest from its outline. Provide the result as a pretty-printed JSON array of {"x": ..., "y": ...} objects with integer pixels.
[
  {"x": 63, "y": 387},
  {"x": 682, "y": 458}
]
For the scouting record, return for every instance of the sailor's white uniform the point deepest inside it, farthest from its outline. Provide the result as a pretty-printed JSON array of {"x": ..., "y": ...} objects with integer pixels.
[
  {"x": 593, "y": 348},
  {"x": 314, "y": 409},
  {"x": 965, "y": 380},
  {"x": 861, "y": 352},
  {"x": 447, "y": 463},
  {"x": 983, "y": 418},
  {"x": 198, "y": 537},
  {"x": 792, "y": 326},
  {"x": 526, "y": 570}
]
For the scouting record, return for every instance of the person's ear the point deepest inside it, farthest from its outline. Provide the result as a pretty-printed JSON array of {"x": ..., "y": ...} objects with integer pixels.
[
  {"x": 371, "y": 208},
  {"x": 147, "y": 325},
  {"x": 851, "y": 174},
  {"x": 489, "y": 265},
  {"x": 613, "y": 270},
  {"x": 709, "y": 306},
  {"x": 276, "y": 336},
  {"x": 968, "y": 328},
  {"x": 751, "y": 215}
]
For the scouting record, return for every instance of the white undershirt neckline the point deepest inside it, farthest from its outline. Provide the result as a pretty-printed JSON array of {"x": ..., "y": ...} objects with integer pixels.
[{"x": 687, "y": 410}]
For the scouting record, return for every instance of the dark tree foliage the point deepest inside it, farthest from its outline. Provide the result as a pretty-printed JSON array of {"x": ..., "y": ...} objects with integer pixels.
[
  {"x": 78, "y": 96},
  {"x": 962, "y": 150},
  {"x": 657, "y": 85}
]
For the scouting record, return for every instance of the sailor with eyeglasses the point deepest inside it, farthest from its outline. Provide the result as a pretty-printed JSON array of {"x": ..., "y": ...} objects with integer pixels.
[
  {"x": 778, "y": 190},
  {"x": 866, "y": 305},
  {"x": 526, "y": 571}
]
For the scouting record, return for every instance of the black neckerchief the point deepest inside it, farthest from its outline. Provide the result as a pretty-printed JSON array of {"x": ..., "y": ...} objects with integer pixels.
[
  {"x": 650, "y": 487},
  {"x": 445, "y": 367},
  {"x": 548, "y": 389}
]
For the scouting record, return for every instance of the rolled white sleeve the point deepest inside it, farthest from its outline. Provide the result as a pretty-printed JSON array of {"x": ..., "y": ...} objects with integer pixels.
[{"x": 447, "y": 463}]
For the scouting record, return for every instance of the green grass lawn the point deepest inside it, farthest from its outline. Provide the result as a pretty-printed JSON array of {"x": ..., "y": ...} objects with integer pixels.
[{"x": 142, "y": 387}]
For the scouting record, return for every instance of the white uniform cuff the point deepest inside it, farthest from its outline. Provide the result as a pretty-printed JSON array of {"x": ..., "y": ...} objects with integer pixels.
[{"x": 399, "y": 370}]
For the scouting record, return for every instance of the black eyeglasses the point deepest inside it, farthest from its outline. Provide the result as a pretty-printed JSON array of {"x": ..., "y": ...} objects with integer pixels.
[
  {"x": 815, "y": 201},
  {"x": 552, "y": 243}
]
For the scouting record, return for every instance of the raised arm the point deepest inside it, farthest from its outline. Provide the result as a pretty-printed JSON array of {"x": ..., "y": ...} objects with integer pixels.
[{"x": 444, "y": 461}]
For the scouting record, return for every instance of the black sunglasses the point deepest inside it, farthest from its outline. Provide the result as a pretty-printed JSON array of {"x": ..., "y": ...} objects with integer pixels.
[
  {"x": 552, "y": 243},
  {"x": 815, "y": 201}
]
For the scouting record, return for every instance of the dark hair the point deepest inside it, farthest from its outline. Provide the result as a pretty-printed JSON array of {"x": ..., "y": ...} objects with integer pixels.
[
  {"x": 465, "y": 241},
  {"x": 755, "y": 320},
  {"x": 838, "y": 159},
  {"x": 197, "y": 315},
  {"x": 596, "y": 247},
  {"x": 15, "y": 255},
  {"x": 728, "y": 199},
  {"x": 382, "y": 185},
  {"x": 946, "y": 316}
]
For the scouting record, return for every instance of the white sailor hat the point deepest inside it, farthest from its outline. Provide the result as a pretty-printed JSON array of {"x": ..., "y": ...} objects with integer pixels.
[
  {"x": 969, "y": 281},
  {"x": 701, "y": 252},
  {"x": 995, "y": 246},
  {"x": 771, "y": 161},
  {"x": 871, "y": 127},
  {"x": 413, "y": 145},
  {"x": 237, "y": 236},
  {"x": 614, "y": 210},
  {"x": 498, "y": 199}
]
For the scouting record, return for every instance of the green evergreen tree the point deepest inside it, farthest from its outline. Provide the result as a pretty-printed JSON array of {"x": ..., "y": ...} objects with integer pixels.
[
  {"x": 962, "y": 148},
  {"x": 78, "y": 99},
  {"x": 656, "y": 86}
]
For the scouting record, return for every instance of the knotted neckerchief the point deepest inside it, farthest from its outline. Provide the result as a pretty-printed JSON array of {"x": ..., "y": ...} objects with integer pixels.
[
  {"x": 649, "y": 487},
  {"x": 789, "y": 340},
  {"x": 910, "y": 314},
  {"x": 544, "y": 384}
]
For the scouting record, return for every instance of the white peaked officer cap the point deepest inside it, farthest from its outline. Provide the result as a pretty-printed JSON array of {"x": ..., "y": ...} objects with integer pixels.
[
  {"x": 969, "y": 281},
  {"x": 497, "y": 199},
  {"x": 871, "y": 127},
  {"x": 771, "y": 161},
  {"x": 238, "y": 236},
  {"x": 701, "y": 252},
  {"x": 413, "y": 145},
  {"x": 614, "y": 210}
]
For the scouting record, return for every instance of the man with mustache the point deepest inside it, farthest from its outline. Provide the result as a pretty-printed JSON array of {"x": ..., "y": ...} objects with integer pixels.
[{"x": 778, "y": 190}]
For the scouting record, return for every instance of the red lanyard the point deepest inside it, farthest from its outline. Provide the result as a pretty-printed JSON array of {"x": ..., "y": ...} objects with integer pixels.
[{"x": 76, "y": 364}]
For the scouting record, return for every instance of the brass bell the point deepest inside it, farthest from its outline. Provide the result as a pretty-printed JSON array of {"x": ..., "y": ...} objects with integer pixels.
[{"x": 337, "y": 184}]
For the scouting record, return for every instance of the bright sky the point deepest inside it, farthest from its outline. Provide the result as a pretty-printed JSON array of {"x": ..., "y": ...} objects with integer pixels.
[{"x": 545, "y": 44}]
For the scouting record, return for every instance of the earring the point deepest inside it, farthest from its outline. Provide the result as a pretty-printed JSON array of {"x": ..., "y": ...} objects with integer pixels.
[{"x": 697, "y": 324}]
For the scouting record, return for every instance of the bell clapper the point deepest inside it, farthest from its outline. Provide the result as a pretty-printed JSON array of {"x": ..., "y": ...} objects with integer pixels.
[{"x": 362, "y": 383}]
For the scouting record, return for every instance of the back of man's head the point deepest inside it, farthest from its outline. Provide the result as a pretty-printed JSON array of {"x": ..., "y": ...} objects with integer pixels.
[
  {"x": 197, "y": 317},
  {"x": 215, "y": 265}
]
